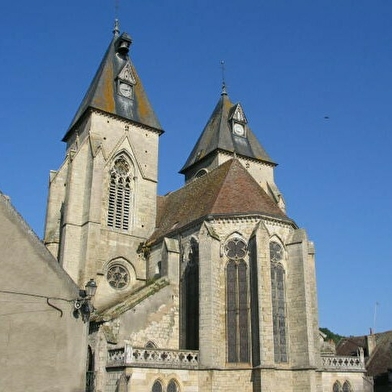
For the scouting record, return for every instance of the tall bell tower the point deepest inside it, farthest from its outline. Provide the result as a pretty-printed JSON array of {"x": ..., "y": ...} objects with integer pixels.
[{"x": 102, "y": 200}]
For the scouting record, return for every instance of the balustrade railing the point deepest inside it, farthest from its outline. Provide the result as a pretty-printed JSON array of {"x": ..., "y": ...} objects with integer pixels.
[
  {"x": 337, "y": 362},
  {"x": 147, "y": 357},
  {"x": 187, "y": 359}
]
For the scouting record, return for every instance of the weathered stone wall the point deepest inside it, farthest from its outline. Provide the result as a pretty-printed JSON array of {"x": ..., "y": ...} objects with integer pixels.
[
  {"x": 80, "y": 189},
  {"x": 142, "y": 380},
  {"x": 358, "y": 382},
  {"x": 41, "y": 347}
]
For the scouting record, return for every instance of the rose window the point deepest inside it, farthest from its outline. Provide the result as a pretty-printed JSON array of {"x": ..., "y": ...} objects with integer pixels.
[{"x": 117, "y": 276}]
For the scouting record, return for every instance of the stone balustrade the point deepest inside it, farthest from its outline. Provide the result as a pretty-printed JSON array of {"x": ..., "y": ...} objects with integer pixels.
[
  {"x": 342, "y": 363},
  {"x": 186, "y": 359},
  {"x": 152, "y": 357}
]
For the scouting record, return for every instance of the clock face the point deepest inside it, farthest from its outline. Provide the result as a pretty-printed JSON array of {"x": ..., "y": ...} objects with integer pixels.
[
  {"x": 239, "y": 129},
  {"x": 276, "y": 251},
  {"x": 125, "y": 90}
]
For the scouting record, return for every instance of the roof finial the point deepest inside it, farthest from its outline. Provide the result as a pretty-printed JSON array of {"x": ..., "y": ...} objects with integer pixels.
[
  {"x": 224, "y": 91},
  {"x": 116, "y": 30}
]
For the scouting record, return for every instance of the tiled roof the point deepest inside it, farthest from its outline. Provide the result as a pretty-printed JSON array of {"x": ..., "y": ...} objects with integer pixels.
[
  {"x": 349, "y": 346},
  {"x": 380, "y": 359},
  {"x": 228, "y": 190}
]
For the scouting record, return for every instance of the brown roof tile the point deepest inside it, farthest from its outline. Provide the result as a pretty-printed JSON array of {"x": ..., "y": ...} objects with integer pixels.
[{"x": 227, "y": 190}]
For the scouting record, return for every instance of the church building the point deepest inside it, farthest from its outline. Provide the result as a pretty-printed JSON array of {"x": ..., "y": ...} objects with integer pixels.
[{"x": 211, "y": 287}]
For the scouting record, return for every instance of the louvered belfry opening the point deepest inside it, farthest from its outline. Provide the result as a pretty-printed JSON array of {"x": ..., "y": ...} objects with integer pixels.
[{"x": 119, "y": 194}]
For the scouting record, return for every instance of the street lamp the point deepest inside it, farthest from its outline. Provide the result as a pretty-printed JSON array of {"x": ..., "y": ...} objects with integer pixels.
[
  {"x": 83, "y": 305},
  {"x": 91, "y": 288}
]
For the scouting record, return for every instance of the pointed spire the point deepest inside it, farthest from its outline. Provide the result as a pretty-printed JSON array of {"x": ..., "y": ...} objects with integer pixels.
[
  {"x": 116, "y": 29},
  {"x": 218, "y": 135},
  {"x": 116, "y": 88}
]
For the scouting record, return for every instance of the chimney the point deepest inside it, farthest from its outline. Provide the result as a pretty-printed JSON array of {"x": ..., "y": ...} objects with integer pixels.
[{"x": 371, "y": 343}]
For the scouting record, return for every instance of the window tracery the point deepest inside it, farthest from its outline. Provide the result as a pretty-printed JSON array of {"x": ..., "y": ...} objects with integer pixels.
[
  {"x": 278, "y": 302},
  {"x": 119, "y": 273},
  {"x": 237, "y": 301},
  {"x": 117, "y": 276}
]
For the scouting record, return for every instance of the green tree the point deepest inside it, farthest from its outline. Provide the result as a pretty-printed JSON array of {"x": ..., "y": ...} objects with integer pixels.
[{"x": 331, "y": 335}]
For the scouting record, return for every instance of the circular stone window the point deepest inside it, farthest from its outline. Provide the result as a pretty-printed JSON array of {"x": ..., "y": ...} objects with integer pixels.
[{"x": 117, "y": 276}]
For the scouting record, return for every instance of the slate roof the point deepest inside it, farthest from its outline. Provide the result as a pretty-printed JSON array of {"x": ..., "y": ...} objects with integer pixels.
[
  {"x": 228, "y": 190},
  {"x": 379, "y": 361},
  {"x": 349, "y": 346},
  {"x": 218, "y": 136},
  {"x": 102, "y": 93}
]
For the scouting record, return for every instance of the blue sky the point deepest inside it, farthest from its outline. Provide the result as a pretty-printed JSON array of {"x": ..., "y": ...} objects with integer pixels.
[{"x": 314, "y": 79}]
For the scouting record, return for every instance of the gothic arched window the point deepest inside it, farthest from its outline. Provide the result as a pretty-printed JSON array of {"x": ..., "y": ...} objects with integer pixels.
[
  {"x": 157, "y": 387},
  {"x": 150, "y": 345},
  {"x": 337, "y": 387},
  {"x": 237, "y": 319},
  {"x": 347, "y": 387},
  {"x": 119, "y": 194},
  {"x": 278, "y": 302},
  {"x": 191, "y": 298},
  {"x": 172, "y": 387}
]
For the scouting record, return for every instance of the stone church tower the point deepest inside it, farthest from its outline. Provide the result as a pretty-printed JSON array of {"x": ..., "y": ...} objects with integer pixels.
[
  {"x": 102, "y": 201},
  {"x": 209, "y": 288}
]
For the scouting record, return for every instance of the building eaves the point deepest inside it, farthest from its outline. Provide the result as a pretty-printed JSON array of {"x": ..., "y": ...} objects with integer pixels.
[{"x": 227, "y": 191}]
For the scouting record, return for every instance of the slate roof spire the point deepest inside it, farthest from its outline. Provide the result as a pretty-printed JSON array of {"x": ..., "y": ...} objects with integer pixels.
[
  {"x": 116, "y": 88},
  {"x": 219, "y": 136}
]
